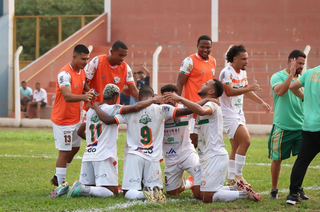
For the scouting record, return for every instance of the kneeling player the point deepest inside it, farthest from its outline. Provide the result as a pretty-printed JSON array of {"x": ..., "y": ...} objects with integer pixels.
[{"x": 211, "y": 148}]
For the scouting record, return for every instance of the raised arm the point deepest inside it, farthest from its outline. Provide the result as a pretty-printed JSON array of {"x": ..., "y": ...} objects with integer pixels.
[
  {"x": 146, "y": 71},
  {"x": 194, "y": 107},
  {"x": 282, "y": 88},
  {"x": 140, "y": 105},
  {"x": 105, "y": 118},
  {"x": 254, "y": 97}
]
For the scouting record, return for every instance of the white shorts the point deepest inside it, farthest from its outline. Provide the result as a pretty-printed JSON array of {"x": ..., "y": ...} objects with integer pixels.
[
  {"x": 138, "y": 168},
  {"x": 99, "y": 173},
  {"x": 174, "y": 174},
  {"x": 213, "y": 173},
  {"x": 66, "y": 137},
  {"x": 231, "y": 124}
]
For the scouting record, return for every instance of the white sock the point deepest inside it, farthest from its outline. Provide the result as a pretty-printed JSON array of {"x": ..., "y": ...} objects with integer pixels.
[
  {"x": 239, "y": 162},
  {"x": 229, "y": 188},
  {"x": 134, "y": 194},
  {"x": 68, "y": 164},
  {"x": 100, "y": 192},
  {"x": 228, "y": 196},
  {"x": 231, "y": 169},
  {"x": 85, "y": 191},
  {"x": 188, "y": 185},
  {"x": 61, "y": 174}
]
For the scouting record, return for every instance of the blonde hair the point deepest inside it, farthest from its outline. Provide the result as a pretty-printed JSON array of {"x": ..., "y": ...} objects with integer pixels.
[{"x": 110, "y": 90}]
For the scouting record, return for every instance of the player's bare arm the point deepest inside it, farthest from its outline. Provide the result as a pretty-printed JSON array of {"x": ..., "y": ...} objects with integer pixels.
[
  {"x": 140, "y": 105},
  {"x": 133, "y": 90},
  {"x": 69, "y": 97},
  {"x": 230, "y": 91},
  {"x": 254, "y": 97},
  {"x": 281, "y": 89},
  {"x": 182, "y": 79},
  {"x": 105, "y": 118},
  {"x": 295, "y": 88},
  {"x": 81, "y": 131},
  {"x": 194, "y": 107},
  {"x": 146, "y": 71}
]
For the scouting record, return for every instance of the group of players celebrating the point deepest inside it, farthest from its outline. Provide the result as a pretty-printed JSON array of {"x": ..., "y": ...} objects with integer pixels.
[{"x": 166, "y": 125}]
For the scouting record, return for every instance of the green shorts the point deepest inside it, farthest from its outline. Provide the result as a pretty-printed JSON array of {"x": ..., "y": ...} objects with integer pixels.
[{"x": 282, "y": 142}]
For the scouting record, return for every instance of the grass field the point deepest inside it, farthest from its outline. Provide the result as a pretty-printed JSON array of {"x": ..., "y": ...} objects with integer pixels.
[{"x": 27, "y": 163}]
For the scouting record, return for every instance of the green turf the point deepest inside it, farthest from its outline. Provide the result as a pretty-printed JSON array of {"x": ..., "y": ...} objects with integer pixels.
[{"x": 27, "y": 162}]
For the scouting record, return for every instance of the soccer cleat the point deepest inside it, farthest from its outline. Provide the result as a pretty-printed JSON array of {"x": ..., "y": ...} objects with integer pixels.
[
  {"x": 252, "y": 195},
  {"x": 274, "y": 194},
  {"x": 240, "y": 177},
  {"x": 75, "y": 189},
  {"x": 54, "y": 180},
  {"x": 230, "y": 182},
  {"x": 158, "y": 195},
  {"x": 149, "y": 195},
  {"x": 303, "y": 196},
  {"x": 240, "y": 186},
  {"x": 60, "y": 190},
  {"x": 292, "y": 199}
]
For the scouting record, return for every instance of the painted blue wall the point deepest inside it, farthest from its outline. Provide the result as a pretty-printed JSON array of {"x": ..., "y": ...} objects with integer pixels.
[
  {"x": 4, "y": 61},
  {"x": 1, "y": 8}
]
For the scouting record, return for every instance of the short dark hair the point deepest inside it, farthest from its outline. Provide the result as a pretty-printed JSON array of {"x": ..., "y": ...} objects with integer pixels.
[
  {"x": 169, "y": 88},
  {"x": 295, "y": 54},
  {"x": 145, "y": 91},
  {"x": 79, "y": 49},
  {"x": 204, "y": 37},
  {"x": 23, "y": 82},
  {"x": 218, "y": 87},
  {"x": 37, "y": 83},
  {"x": 119, "y": 44},
  {"x": 140, "y": 72},
  {"x": 234, "y": 51}
]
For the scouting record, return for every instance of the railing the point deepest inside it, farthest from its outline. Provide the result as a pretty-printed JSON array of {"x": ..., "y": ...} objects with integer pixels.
[{"x": 37, "y": 34}]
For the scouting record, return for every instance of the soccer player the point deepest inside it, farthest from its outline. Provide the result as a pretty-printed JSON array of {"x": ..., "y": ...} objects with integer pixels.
[
  {"x": 111, "y": 68},
  {"x": 285, "y": 136},
  {"x": 310, "y": 144},
  {"x": 144, "y": 142},
  {"x": 195, "y": 70},
  {"x": 99, "y": 169},
  {"x": 65, "y": 114},
  {"x": 234, "y": 79},
  {"x": 211, "y": 148},
  {"x": 179, "y": 152}
]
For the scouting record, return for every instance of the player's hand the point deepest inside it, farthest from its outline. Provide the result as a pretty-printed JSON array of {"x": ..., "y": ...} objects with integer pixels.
[
  {"x": 95, "y": 104},
  {"x": 88, "y": 95},
  {"x": 167, "y": 96},
  {"x": 292, "y": 67},
  {"x": 255, "y": 86},
  {"x": 267, "y": 107},
  {"x": 157, "y": 99}
]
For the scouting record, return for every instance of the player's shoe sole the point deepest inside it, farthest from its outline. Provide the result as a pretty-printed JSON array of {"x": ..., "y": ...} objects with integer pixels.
[
  {"x": 159, "y": 195},
  {"x": 148, "y": 194},
  {"x": 252, "y": 195}
]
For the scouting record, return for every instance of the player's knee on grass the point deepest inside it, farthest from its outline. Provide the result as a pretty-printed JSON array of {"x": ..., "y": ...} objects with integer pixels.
[
  {"x": 196, "y": 192},
  {"x": 206, "y": 197}
]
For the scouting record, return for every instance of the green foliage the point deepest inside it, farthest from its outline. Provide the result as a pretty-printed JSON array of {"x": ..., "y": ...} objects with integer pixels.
[
  {"x": 26, "y": 27},
  {"x": 27, "y": 163}
]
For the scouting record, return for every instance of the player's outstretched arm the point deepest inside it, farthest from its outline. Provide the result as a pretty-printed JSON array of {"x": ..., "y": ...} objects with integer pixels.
[
  {"x": 230, "y": 91},
  {"x": 295, "y": 88},
  {"x": 105, "y": 118},
  {"x": 140, "y": 105},
  {"x": 194, "y": 107},
  {"x": 81, "y": 131},
  {"x": 254, "y": 97},
  {"x": 70, "y": 97}
]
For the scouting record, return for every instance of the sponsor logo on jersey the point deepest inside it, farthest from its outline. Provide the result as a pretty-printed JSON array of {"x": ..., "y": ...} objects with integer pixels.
[
  {"x": 94, "y": 118},
  {"x": 76, "y": 86},
  {"x": 145, "y": 149},
  {"x": 152, "y": 180},
  {"x": 83, "y": 174},
  {"x": 101, "y": 176},
  {"x": 171, "y": 153},
  {"x": 145, "y": 119}
]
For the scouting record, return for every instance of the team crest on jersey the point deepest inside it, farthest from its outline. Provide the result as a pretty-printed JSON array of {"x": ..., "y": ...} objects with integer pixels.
[
  {"x": 94, "y": 118},
  {"x": 116, "y": 80},
  {"x": 145, "y": 119},
  {"x": 212, "y": 71}
]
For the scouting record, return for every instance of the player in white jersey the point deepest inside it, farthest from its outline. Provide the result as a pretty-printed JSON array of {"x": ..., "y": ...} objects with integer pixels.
[
  {"x": 99, "y": 169},
  {"x": 144, "y": 139},
  {"x": 179, "y": 152},
  {"x": 234, "y": 79},
  {"x": 211, "y": 148}
]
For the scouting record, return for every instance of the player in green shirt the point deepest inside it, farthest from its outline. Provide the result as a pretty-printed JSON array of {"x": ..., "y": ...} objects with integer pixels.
[
  {"x": 285, "y": 136},
  {"x": 310, "y": 143}
]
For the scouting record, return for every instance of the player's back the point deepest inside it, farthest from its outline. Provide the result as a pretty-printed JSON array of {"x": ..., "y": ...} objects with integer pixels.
[
  {"x": 101, "y": 138},
  {"x": 145, "y": 130}
]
